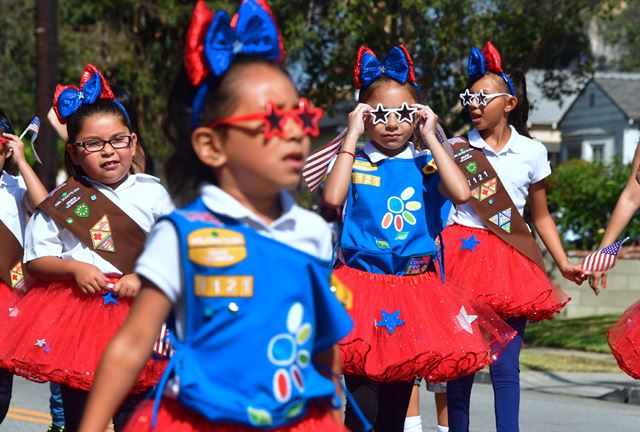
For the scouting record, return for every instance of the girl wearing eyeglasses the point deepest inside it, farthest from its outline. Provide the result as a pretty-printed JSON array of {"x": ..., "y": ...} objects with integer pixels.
[
  {"x": 408, "y": 322},
  {"x": 243, "y": 268},
  {"x": 80, "y": 246},
  {"x": 489, "y": 249}
]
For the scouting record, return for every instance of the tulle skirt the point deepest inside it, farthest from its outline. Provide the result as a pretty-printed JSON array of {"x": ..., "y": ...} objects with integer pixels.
[
  {"x": 497, "y": 274},
  {"x": 174, "y": 417},
  {"x": 624, "y": 340},
  {"x": 6, "y": 293},
  {"x": 408, "y": 326},
  {"x": 57, "y": 333}
]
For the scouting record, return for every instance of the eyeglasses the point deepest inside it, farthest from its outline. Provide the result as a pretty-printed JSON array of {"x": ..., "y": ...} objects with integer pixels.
[
  {"x": 480, "y": 98},
  {"x": 96, "y": 144},
  {"x": 275, "y": 119},
  {"x": 404, "y": 114}
]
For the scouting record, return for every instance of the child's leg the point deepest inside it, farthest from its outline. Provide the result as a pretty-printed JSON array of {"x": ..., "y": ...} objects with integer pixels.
[
  {"x": 505, "y": 376},
  {"x": 126, "y": 410},
  {"x": 6, "y": 387},
  {"x": 365, "y": 393},
  {"x": 73, "y": 402},
  {"x": 55, "y": 405},
  {"x": 458, "y": 402},
  {"x": 413, "y": 422},
  {"x": 393, "y": 402},
  {"x": 440, "y": 393}
]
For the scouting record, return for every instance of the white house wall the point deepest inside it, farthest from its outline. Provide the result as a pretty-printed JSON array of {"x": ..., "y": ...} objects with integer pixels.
[{"x": 631, "y": 138}]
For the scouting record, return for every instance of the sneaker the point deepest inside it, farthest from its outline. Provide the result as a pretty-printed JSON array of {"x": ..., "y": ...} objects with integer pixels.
[{"x": 55, "y": 428}]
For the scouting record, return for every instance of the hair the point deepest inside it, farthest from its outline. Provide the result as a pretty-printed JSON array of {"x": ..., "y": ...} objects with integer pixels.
[
  {"x": 9, "y": 164},
  {"x": 384, "y": 80},
  {"x": 518, "y": 116},
  {"x": 76, "y": 121},
  {"x": 184, "y": 170}
]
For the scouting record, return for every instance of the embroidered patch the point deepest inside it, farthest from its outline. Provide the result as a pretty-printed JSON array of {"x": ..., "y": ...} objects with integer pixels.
[
  {"x": 223, "y": 286},
  {"x": 101, "y": 235},
  {"x": 259, "y": 417},
  {"x": 430, "y": 167},
  {"x": 390, "y": 321},
  {"x": 216, "y": 247},
  {"x": 382, "y": 244},
  {"x": 465, "y": 320},
  {"x": 69, "y": 220},
  {"x": 399, "y": 210},
  {"x": 471, "y": 167},
  {"x": 502, "y": 219},
  {"x": 342, "y": 292},
  {"x": 417, "y": 265},
  {"x": 82, "y": 210},
  {"x": 475, "y": 193},
  {"x": 488, "y": 188},
  {"x": 469, "y": 243},
  {"x": 365, "y": 179},
  {"x": 402, "y": 235},
  {"x": 364, "y": 165},
  {"x": 93, "y": 197},
  {"x": 17, "y": 277}
]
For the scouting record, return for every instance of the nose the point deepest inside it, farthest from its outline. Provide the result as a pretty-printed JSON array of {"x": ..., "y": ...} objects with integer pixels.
[
  {"x": 392, "y": 121},
  {"x": 292, "y": 129}
]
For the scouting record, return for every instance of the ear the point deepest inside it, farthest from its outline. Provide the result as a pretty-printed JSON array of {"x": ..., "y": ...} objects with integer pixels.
[
  {"x": 208, "y": 146},
  {"x": 71, "y": 149},
  {"x": 511, "y": 104},
  {"x": 134, "y": 143}
]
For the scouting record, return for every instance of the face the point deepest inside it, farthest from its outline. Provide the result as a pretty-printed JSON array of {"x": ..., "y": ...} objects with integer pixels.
[
  {"x": 251, "y": 161},
  {"x": 496, "y": 111},
  {"x": 390, "y": 138},
  {"x": 108, "y": 166}
]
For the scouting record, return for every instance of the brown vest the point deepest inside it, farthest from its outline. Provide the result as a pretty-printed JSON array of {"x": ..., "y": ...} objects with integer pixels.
[
  {"x": 97, "y": 222},
  {"x": 491, "y": 201},
  {"x": 11, "y": 259}
]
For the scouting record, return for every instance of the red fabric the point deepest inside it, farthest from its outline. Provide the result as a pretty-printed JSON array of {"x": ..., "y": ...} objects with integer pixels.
[
  {"x": 174, "y": 417},
  {"x": 76, "y": 328},
  {"x": 6, "y": 293},
  {"x": 624, "y": 340},
  {"x": 432, "y": 344},
  {"x": 497, "y": 274},
  {"x": 492, "y": 58},
  {"x": 412, "y": 75},
  {"x": 358, "y": 65},
  {"x": 194, "y": 60}
]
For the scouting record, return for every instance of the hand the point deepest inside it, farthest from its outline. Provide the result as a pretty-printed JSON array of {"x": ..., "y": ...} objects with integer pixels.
[
  {"x": 427, "y": 120},
  {"x": 598, "y": 280},
  {"x": 573, "y": 273},
  {"x": 356, "y": 118},
  {"x": 15, "y": 147},
  {"x": 128, "y": 285},
  {"x": 89, "y": 278}
]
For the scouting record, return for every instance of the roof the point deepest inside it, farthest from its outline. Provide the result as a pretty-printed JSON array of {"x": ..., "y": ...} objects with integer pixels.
[
  {"x": 544, "y": 110},
  {"x": 623, "y": 89}
]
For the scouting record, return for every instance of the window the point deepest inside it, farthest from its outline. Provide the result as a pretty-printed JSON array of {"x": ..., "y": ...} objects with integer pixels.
[
  {"x": 592, "y": 100},
  {"x": 597, "y": 152}
]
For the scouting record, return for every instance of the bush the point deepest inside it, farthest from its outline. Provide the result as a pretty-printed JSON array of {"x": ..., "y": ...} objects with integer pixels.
[{"x": 582, "y": 196}]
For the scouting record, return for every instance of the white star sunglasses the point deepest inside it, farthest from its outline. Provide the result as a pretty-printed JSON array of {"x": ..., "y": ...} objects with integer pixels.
[{"x": 481, "y": 98}]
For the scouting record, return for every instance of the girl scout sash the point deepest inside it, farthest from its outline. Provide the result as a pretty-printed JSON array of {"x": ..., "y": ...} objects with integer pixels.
[
  {"x": 491, "y": 201},
  {"x": 11, "y": 258},
  {"x": 97, "y": 222}
]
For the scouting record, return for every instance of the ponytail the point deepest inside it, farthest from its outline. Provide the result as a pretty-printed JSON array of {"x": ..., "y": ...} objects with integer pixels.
[{"x": 519, "y": 116}]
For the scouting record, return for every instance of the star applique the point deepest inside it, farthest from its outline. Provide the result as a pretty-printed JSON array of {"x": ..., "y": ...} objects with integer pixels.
[
  {"x": 109, "y": 298},
  {"x": 405, "y": 113},
  {"x": 380, "y": 115},
  {"x": 390, "y": 321},
  {"x": 42, "y": 344},
  {"x": 13, "y": 311},
  {"x": 465, "y": 320},
  {"x": 469, "y": 243},
  {"x": 466, "y": 97}
]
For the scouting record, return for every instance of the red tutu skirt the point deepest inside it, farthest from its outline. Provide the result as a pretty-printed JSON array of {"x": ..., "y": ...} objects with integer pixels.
[
  {"x": 497, "y": 274},
  {"x": 57, "y": 333},
  {"x": 408, "y": 326},
  {"x": 624, "y": 340},
  {"x": 174, "y": 417},
  {"x": 6, "y": 293}
]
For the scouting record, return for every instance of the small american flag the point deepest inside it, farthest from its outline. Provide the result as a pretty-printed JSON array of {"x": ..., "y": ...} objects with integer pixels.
[
  {"x": 317, "y": 163},
  {"x": 34, "y": 127},
  {"x": 162, "y": 347},
  {"x": 603, "y": 259}
]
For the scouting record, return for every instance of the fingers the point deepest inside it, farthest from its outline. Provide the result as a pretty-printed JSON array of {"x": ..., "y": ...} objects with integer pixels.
[{"x": 604, "y": 280}]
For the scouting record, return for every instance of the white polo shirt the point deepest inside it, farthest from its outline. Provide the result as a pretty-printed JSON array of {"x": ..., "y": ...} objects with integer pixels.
[
  {"x": 296, "y": 227},
  {"x": 519, "y": 164},
  {"x": 140, "y": 196},
  {"x": 12, "y": 212}
]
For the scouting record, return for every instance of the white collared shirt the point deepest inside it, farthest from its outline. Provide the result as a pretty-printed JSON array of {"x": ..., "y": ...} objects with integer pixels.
[
  {"x": 140, "y": 196},
  {"x": 519, "y": 164},
  {"x": 376, "y": 155},
  {"x": 296, "y": 227},
  {"x": 12, "y": 212}
]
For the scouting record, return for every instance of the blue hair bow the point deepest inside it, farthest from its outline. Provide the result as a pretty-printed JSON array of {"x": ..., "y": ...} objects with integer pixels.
[
  {"x": 488, "y": 59},
  {"x": 71, "y": 98},
  {"x": 368, "y": 68}
]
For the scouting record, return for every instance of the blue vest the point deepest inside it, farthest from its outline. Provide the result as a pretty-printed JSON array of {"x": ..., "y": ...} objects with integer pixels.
[
  {"x": 251, "y": 326},
  {"x": 393, "y": 214}
]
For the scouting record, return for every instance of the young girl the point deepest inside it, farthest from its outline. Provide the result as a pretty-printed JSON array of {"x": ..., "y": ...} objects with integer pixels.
[
  {"x": 489, "y": 249},
  {"x": 80, "y": 246},
  {"x": 624, "y": 336},
  {"x": 245, "y": 270},
  {"x": 407, "y": 322},
  {"x": 18, "y": 196}
]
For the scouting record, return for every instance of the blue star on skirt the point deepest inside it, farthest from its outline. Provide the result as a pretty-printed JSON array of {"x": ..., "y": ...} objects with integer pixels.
[
  {"x": 469, "y": 243},
  {"x": 390, "y": 321},
  {"x": 109, "y": 298}
]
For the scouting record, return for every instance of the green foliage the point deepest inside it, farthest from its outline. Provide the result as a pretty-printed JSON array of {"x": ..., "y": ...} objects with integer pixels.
[{"x": 582, "y": 195}]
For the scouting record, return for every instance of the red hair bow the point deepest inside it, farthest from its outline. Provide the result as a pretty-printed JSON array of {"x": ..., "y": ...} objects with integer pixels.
[{"x": 492, "y": 57}]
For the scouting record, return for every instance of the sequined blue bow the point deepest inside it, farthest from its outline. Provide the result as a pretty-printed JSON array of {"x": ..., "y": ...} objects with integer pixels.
[
  {"x": 477, "y": 65},
  {"x": 395, "y": 66},
  {"x": 255, "y": 34},
  {"x": 71, "y": 98}
]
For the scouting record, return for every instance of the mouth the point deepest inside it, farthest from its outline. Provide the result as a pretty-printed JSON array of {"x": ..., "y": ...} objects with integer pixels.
[
  {"x": 475, "y": 117},
  {"x": 109, "y": 164},
  {"x": 295, "y": 160},
  {"x": 391, "y": 136}
]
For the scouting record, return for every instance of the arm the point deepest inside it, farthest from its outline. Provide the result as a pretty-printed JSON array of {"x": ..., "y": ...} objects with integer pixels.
[
  {"x": 36, "y": 192},
  {"x": 329, "y": 360},
  {"x": 627, "y": 205},
  {"x": 124, "y": 358},
  {"x": 339, "y": 179},
  {"x": 50, "y": 268},
  {"x": 546, "y": 227},
  {"x": 452, "y": 184},
  {"x": 60, "y": 129}
]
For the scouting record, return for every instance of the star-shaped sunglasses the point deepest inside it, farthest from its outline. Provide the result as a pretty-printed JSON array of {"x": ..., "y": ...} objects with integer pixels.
[
  {"x": 481, "y": 98},
  {"x": 404, "y": 114},
  {"x": 275, "y": 119}
]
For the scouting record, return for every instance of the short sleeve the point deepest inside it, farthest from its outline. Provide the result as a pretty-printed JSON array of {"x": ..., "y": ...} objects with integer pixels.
[
  {"x": 42, "y": 237},
  {"x": 541, "y": 166},
  {"x": 160, "y": 260},
  {"x": 332, "y": 320}
]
